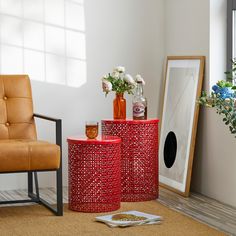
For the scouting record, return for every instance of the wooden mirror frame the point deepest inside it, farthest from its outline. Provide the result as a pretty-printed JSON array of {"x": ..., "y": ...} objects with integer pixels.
[{"x": 194, "y": 120}]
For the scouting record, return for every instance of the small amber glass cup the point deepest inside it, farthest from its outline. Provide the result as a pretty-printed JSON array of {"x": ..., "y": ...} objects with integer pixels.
[{"x": 91, "y": 129}]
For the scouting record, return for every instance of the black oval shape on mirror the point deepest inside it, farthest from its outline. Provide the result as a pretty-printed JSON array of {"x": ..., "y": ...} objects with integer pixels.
[{"x": 170, "y": 149}]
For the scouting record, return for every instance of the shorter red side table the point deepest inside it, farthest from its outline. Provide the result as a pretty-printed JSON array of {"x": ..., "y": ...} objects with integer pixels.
[
  {"x": 139, "y": 157},
  {"x": 94, "y": 174}
]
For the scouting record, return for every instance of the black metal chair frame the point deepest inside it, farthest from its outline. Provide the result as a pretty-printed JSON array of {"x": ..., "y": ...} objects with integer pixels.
[{"x": 35, "y": 197}]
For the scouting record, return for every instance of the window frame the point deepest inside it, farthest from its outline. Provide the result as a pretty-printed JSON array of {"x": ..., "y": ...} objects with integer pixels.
[{"x": 231, "y": 6}]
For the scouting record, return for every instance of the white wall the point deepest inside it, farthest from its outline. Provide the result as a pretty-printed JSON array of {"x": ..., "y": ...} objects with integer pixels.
[
  {"x": 128, "y": 33},
  {"x": 214, "y": 167},
  {"x": 139, "y": 35},
  {"x": 199, "y": 28}
]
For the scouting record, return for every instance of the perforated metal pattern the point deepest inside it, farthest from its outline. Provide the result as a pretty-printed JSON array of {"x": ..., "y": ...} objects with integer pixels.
[
  {"x": 139, "y": 157},
  {"x": 94, "y": 177}
]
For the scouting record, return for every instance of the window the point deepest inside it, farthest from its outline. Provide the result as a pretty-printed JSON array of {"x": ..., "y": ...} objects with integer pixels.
[{"x": 45, "y": 39}]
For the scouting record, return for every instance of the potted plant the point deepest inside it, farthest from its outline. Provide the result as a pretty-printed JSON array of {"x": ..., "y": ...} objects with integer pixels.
[{"x": 222, "y": 98}]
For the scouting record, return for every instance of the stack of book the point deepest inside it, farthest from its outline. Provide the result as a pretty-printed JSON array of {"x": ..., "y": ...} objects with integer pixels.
[{"x": 129, "y": 218}]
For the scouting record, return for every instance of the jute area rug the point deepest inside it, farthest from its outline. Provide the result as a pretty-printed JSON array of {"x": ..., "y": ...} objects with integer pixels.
[{"x": 37, "y": 220}]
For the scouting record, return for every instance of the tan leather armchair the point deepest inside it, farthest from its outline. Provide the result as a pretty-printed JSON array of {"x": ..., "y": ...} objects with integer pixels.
[{"x": 20, "y": 151}]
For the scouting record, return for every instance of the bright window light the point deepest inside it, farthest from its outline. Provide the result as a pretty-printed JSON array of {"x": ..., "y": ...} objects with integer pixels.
[{"x": 44, "y": 39}]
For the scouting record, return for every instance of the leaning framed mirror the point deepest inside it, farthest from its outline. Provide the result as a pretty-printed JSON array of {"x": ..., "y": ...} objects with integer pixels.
[{"x": 183, "y": 83}]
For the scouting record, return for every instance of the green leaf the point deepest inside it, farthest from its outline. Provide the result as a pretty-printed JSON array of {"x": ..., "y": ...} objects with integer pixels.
[{"x": 234, "y": 122}]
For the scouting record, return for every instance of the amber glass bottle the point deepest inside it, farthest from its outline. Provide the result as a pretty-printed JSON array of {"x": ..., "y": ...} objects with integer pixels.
[{"x": 119, "y": 107}]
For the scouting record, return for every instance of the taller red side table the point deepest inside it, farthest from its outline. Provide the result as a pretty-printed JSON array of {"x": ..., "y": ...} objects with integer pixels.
[
  {"x": 139, "y": 157},
  {"x": 94, "y": 174}
]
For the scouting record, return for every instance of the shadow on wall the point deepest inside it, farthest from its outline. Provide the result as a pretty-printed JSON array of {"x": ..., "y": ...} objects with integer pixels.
[
  {"x": 45, "y": 39},
  {"x": 66, "y": 46}
]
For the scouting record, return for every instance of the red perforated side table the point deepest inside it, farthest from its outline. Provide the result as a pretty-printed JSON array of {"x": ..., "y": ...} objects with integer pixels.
[
  {"x": 94, "y": 174},
  {"x": 139, "y": 157}
]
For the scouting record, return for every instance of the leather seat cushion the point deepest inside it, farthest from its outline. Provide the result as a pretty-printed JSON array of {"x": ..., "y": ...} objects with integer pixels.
[{"x": 27, "y": 155}]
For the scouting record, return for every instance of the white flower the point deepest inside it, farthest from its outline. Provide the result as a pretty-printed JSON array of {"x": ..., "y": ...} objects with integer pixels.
[
  {"x": 120, "y": 69},
  {"x": 139, "y": 78},
  {"x": 106, "y": 86},
  {"x": 115, "y": 74},
  {"x": 105, "y": 77},
  {"x": 129, "y": 79}
]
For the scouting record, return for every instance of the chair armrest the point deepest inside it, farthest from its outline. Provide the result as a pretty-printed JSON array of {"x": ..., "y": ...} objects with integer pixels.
[
  {"x": 58, "y": 127},
  {"x": 46, "y": 117}
]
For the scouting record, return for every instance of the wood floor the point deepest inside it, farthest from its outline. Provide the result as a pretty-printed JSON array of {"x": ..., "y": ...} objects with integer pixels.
[
  {"x": 201, "y": 208},
  {"x": 204, "y": 209}
]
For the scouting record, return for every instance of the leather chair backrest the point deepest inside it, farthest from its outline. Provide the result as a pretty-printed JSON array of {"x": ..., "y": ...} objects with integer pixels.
[{"x": 16, "y": 108}]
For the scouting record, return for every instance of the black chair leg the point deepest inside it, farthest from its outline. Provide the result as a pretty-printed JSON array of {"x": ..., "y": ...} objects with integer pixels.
[
  {"x": 36, "y": 197},
  {"x": 59, "y": 192},
  {"x": 30, "y": 183},
  {"x": 36, "y": 184}
]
